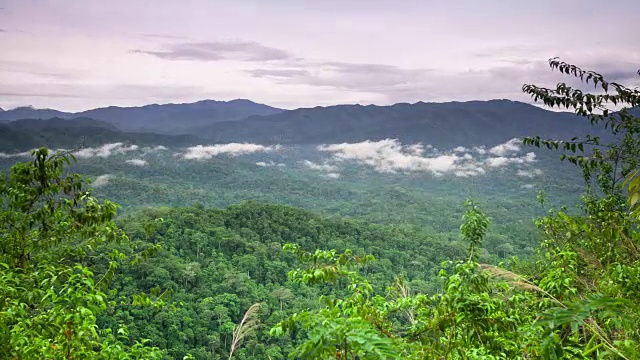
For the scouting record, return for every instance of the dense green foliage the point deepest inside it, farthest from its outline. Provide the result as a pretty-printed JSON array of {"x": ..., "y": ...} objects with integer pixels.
[
  {"x": 217, "y": 263},
  {"x": 27, "y": 134},
  {"x": 417, "y": 276},
  {"x": 577, "y": 299},
  {"x": 49, "y": 296}
]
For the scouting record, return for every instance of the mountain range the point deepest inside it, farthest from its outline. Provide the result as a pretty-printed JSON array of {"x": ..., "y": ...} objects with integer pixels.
[
  {"x": 438, "y": 124},
  {"x": 161, "y": 119}
]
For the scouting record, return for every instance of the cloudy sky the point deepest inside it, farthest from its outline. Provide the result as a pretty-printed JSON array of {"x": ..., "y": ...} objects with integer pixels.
[{"x": 79, "y": 54}]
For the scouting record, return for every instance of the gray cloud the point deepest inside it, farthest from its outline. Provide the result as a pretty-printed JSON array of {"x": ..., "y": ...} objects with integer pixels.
[
  {"x": 345, "y": 76},
  {"x": 93, "y": 95},
  {"x": 39, "y": 94},
  {"x": 216, "y": 51},
  {"x": 162, "y": 36},
  {"x": 480, "y": 51},
  {"x": 397, "y": 84},
  {"x": 278, "y": 73},
  {"x": 506, "y": 50},
  {"x": 39, "y": 70},
  {"x": 359, "y": 77},
  {"x": 620, "y": 71}
]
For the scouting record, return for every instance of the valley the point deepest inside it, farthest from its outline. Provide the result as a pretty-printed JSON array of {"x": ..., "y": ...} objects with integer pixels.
[
  {"x": 222, "y": 212},
  {"x": 231, "y": 214},
  {"x": 319, "y": 180}
]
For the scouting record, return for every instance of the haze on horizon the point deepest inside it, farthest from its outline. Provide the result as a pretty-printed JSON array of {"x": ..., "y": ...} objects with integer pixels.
[{"x": 74, "y": 55}]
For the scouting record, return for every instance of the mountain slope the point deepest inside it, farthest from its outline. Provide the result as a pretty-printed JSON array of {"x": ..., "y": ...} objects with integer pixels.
[
  {"x": 178, "y": 118},
  {"x": 444, "y": 125},
  {"x": 29, "y": 112},
  {"x": 162, "y": 119},
  {"x": 439, "y": 124},
  {"x": 27, "y": 134}
]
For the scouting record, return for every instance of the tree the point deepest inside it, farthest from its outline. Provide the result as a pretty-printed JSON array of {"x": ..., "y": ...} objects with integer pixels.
[
  {"x": 577, "y": 299},
  {"x": 613, "y": 161},
  {"x": 49, "y": 297},
  {"x": 592, "y": 258},
  {"x": 283, "y": 295}
]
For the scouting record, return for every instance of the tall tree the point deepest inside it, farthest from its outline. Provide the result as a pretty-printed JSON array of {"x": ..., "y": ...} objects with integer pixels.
[{"x": 49, "y": 297}]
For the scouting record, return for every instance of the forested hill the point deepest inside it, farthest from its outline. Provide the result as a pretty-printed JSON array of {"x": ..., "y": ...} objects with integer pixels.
[
  {"x": 158, "y": 118},
  {"x": 439, "y": 124},
  {"x": 444, "y": 125},
  {"x": 217, "y": 263},
  {"x": 57, "y": 133},
  {"x": 303, "y": 285}
]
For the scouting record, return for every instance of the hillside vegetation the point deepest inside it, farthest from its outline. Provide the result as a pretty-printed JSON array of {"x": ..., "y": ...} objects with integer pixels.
[{"x": 270, "y": 281}]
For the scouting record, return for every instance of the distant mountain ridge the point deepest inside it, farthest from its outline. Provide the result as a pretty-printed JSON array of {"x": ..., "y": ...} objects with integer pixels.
[
  {"x": 440, "y": 124},
  {"x": 29, "y": 112},
  {"x": 443, "y": 125},
  {"x": 157, "y": 118}
]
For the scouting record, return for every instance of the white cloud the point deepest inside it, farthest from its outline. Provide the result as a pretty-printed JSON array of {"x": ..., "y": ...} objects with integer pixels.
[
  {"x": 464, "y": 173},
  {"x": 332, "y": 175},
  {"x": 102, "y": 180},
  {"x": 136, "y": 162},
  {"x": 154, "y": 149},
  {"x": 391, "y": 156},
  {"x": 511, "y": 146},
  {"x": 502, "y": 160},
  {"x": 417, "y": 149},
  {"x": 469, "y": 169},
  {"x": 105, "y": 150},
  {"x": 530, "y": 157},
  {"x": 497, "y": 161},
  {"x": 529, "y": 173},
  {"x": 14, "y": 155},
  {"x": 320, "y": 167},
  {"x": 480, "y": 150},
  {"x": 200, "y": 152},
  {"x": 527, "y": 186},
  {"x": 266, "y": 164}
]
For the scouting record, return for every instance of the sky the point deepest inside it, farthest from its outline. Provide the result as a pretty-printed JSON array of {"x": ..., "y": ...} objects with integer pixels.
[{"x": 75, "y": 55}]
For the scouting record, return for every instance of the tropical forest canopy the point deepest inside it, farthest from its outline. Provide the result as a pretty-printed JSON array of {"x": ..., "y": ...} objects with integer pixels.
[{"x": 234, "y": 230}]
